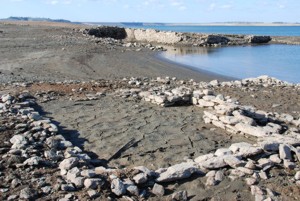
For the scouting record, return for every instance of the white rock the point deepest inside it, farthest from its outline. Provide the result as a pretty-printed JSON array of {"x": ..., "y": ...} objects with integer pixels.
[
  {"x": 140, "y": 178},
  {"x": 177, "y": 172},
  {"x": 68, "y": 163},
  {"x": 88, "y": 173},
  {"x": 233, "y": 161},
  {"x": 211, "y": 115},
  {"x": 210, "y": 181},
  {"x": 245, "y": 170},
  {"x": 158, "y": 190},
  {"x": 285, "y": 152},
  {"x": 223, "y": 151},
  {"x": 297, "y": 175},
  {"x": 214, "y": 163},
  {"x": 93, "y": 183},
  {"x": 203, "y": 158},
  {"x": 275, "y": 158},
  {"x": 117, "y": 187},
  {"x": 245, "y": 149}
]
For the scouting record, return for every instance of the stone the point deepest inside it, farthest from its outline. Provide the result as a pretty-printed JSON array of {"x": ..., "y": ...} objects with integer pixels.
[
  {"x": 219, "y": 176},
  {"x": 231, "y": 120},
  {"x": 180, "y": 196},
  {"x": 72, "y": 174},
  {"x": 145, "y": 170},
  {"x": 12, "y": 198},
  {"x": 285, "y": 152},
  {"x": 214, "y": 163},
  {"x": 256, "y": 190},
  {"x": 211, "y": 115},
  {"x": 297, "y": 175},
  {"x": 132, "y": 189},
  {"x": 117, "y": 187},
  {"x": 250, "y": 165},
  {"x": 158, "y": 190},
  {"x": 211, "y": 173},
  {"x": 93, "y": 183},
  {"x": 68, "y": 187},
  {"x": 211, "y": 181},
  {"x": 93, "y": 194},
  {"x": 244, "y": 149},
  {"x": 233, "y": 161},
  {"x": 88, "y": 173},
  {"x": 46, "y": 189},
  {"x": 177, "y": 172},
  {"x": 208, "y": 92},
  {"x": 223, "y": 151},
  {"x": 35, "y": 160},
  {"x": 275, "y": 159},
  {"x": 68, "y": 163},
  {"x": 203, "y": 103},
  {"x": 251, "y": 130},
  {"x": 18, "y": 141},
  {"x": 78, "y": 182},
  {"x": 263, "y": 175},
  {"x": 140, "y": 178},
  {"x": 250, "y": 181},
  {"x": 245, "y": 170},
  {"x": 289, "y": 165}
]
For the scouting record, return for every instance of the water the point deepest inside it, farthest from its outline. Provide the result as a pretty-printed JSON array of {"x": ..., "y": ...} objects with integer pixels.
[
  {"x": 248, "y": 30},
  {"x": 280, "y": 61}
]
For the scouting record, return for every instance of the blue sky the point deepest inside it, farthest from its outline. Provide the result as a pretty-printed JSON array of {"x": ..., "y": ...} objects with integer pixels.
[{"x": 193, "y": 11}]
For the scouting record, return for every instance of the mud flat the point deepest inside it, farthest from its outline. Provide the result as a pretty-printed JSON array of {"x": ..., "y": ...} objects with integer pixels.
[{"x": 74, "y": 126}]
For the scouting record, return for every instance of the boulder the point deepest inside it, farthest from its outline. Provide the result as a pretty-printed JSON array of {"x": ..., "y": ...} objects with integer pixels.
[{"x": 177, "y": 172}]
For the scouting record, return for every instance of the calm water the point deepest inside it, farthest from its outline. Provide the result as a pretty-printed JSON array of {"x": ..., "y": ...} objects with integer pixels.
[
  {"x": 280, "y": 61},
  {"x": 255, "y": 30}
]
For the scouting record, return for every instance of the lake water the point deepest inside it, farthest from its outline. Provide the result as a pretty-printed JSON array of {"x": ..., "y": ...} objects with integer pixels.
[
  {"x": 255, "y": 30},
  {"x": 280, "y": 61}
]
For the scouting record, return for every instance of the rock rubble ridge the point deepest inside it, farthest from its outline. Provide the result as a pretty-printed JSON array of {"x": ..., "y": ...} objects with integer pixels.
[{"x": 171, "y": 38}]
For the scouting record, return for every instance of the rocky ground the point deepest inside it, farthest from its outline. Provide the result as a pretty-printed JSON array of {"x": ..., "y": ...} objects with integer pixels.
[{"x": 137, "y": 138}]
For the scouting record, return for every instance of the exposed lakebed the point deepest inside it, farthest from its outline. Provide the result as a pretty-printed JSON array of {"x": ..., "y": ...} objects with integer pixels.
[{"x": 280, "y": 61}]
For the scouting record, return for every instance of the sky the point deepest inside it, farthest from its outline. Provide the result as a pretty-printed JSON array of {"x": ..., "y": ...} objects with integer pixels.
[{"x": 168, "y": 11}]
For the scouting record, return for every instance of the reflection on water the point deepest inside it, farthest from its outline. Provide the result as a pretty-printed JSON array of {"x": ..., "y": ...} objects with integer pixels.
[
  {"x": 178, "y": 51},
  {"x": 280, "y": 61}
]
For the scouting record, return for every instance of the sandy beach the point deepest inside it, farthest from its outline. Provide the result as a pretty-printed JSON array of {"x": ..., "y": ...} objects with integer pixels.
[{"x": 44, "y": 56}]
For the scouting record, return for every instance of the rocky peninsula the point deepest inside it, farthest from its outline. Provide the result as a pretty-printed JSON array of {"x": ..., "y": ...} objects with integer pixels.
[{"x": 87, "y": 114}]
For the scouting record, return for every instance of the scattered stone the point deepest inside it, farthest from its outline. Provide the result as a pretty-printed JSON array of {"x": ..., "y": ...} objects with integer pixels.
[
  {"x": 158, "y": 190},
  {"x": 180, "y": 196},
  {"x": 117, "y": 187}
]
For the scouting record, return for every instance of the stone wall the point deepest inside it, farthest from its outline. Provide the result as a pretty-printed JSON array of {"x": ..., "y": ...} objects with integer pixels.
[{"x": 153, "y": 36}]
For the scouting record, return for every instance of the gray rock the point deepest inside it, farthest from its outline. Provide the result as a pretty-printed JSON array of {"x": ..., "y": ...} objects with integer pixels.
[
  {"x": 46, "y": 189},
  {"x": 93, "y": 183},
  {"x": 68, "y": 187},
  {"x": 118, "y": 187},
  {"x": 35, "y": 160},
  {"x": 18, "y": 141},
  {"x": 245, "y": 149},
  {"x": 12, "y": 197},
  {"x": 27, "y": 193},
  {"x": 223, "y": 151},
  {"x": 140, "y": 178},
  {"x": 88, "y": 173},
  {"x": 68, "y": 163},
  {"x": 180, "y": 196},
  {"x": 72, "y": 174},
  {"x": 214, "y": 163},
  {"x": 211, "y": 181},
  {"x": 93, "y": 194},
  {"x": 177, "y": 172},
  {"x": 285, "y": 152},
  {"x": 297, "y": 176},
  {"x": 158, "y": 190},
  {"x": 132, "y": 189}
]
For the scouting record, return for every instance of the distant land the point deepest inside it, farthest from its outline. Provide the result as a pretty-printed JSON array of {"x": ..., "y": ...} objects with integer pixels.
[
  {"x": 141, "y": 24},
  {"x": 35, "y": 19}
]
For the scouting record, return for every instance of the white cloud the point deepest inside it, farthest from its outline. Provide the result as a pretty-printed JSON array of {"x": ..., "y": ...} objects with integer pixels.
[{"x": 178, "y": 4}]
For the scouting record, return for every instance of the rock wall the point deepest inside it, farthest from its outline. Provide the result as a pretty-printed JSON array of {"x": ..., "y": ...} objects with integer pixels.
[
  {"x": 171, "y": 38},
  {"x": 153, "y": 36}
]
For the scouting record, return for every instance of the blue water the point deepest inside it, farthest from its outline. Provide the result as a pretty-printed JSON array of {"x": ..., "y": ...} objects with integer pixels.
[
  {"x": 248, "y": 30},
  {"x": 280, "y": 61}
]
